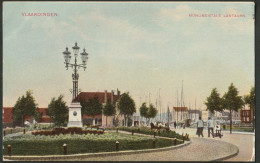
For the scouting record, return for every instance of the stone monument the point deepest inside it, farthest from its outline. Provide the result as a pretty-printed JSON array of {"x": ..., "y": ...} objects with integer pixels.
[{"x": 75, "y": 119}]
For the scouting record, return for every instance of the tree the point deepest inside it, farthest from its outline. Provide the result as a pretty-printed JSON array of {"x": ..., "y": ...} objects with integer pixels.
[
  {"x": 152, "y": 111},
  {"x": 232, "y": 101},
  {"x": 148, "y": 112},
  {"x": 214, "y": 102},
  {"x": 17, "y": 112},
  {"x": 250, "y": 100},
  {"x": 25, "y": 105},
  {"x": 126, "y": 106},
  {"x": 58, "y": 111},
  {"x": 91, "y": 107},
  {"x": 109, "y": 110},
  {"x": 144, "y": 110}
]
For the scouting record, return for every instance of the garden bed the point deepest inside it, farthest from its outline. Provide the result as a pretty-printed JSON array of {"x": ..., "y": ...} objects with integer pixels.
[
  {"x": 28, "y": 144},
  {"x": 148, "y": 131},
  {"x": 69, "y": 130}
]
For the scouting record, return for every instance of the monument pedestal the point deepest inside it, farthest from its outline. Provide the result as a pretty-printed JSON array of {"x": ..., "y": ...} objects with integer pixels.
[{"x": 75, "y": 118}]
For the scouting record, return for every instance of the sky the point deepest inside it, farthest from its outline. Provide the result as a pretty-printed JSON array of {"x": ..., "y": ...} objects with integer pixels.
[{"x": 136, "y": 47}]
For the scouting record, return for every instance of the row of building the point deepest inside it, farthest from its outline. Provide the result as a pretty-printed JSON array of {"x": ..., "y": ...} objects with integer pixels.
[
  {"x": 178, "y": 114},
  {"x": 244, "y": 115},
  {"x": 100, "y": 119}
]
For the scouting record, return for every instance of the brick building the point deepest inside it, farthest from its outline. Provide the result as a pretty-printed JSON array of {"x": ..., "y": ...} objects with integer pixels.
[
  {"x": 103, "y": 98},
  {"x": 246, "y": 115},
  {"x": 8, "y": 116}
]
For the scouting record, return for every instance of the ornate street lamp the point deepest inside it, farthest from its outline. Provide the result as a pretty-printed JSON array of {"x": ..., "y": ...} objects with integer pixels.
[{"x": 75, "y": 66}]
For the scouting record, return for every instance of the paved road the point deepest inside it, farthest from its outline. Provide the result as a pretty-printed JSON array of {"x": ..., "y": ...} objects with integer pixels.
[
  {"x": 199, "y": 150},
  {"x": 244, "y": 141}
]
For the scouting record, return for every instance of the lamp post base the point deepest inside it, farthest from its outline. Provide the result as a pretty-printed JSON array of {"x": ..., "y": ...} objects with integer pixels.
[{"x": 75, "y": 119}]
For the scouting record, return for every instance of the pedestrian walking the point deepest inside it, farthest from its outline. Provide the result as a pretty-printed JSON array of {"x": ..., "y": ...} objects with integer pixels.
[
  {"x": 175, "y": 124},
  {"x": 200, "y": 127},
  {"x": 210, "y": 125}
]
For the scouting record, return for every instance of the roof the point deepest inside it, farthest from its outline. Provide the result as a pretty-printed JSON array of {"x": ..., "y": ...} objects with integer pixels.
[
  {"x": 85, "y": 96},
  {"x": 180, "y": 108},
  {"x": 43, "y": 111},
  {"x": 4, "y": 108},
  {"x": 8, "y": 114}
]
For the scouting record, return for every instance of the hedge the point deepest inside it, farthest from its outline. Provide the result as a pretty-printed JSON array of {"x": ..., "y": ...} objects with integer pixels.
[
  {"x": 14, "y": 130},
  {"x": 148, "y": 131},
  {"x": 77, "y": 144}
]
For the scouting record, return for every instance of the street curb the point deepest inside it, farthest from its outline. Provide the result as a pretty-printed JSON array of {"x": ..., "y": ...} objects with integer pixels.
[
  {"x": 229, "y": 156},
  {"x": 242, "y": 133},
  {"x": 82, "y": 156}
]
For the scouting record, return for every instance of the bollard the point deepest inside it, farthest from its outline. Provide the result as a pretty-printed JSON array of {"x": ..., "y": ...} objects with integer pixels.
[
  {"x": 175, "y": 141},
  {"x": 153, "y": 143},
  {"x": 23, "y": 131},
  {"x": 116, "y": 130},
  {"x": 11, "y": 130},
  {"x": 9, "y": 150},
  {"x": 64, "y": 149},
  {"x": 154, "y": 134},
  {"x": 117, "y": 146},
  {"x": 132, "y": 132},
  {"x": 4, "y": 132}
]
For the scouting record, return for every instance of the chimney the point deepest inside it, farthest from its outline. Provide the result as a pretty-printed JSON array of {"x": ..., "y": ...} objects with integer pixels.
[
  {"x": 112, "y": 96},
  {"x": 105, "y": 100}
]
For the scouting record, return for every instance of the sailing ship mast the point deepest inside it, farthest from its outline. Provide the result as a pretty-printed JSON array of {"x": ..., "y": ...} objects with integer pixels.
[
  {"x": 177, "y": 106},
  {"x": 181, "y": 100},
  {"x": 160, "y": 105}
]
